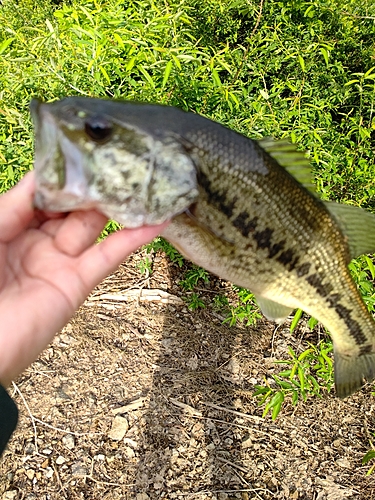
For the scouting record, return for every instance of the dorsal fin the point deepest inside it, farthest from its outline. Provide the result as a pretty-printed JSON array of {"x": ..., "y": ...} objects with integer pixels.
[{"x": 292, "y": 160}]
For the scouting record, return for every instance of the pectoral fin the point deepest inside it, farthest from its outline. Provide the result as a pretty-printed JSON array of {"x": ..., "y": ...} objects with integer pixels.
[
  {"x": 357, "y": 224},
  {"x": 272, "y": 310}
]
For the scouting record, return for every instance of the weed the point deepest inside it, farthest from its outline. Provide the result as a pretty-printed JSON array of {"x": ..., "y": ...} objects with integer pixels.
[
  {"x": 111, "y": 227},
  {"x": 194, "y": 302},
  {"x": 246, "y": 311},
  {"x": 309, "y": 374},
  {"x": 366, "y": 459},
  {"x": 160, "y": 243},
  {"x": 193, "y": 276},
  {"x": 145, "y": 266}
]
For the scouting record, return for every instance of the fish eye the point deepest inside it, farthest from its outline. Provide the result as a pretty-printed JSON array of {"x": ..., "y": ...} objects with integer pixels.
[{"x": 98, "y": 129}]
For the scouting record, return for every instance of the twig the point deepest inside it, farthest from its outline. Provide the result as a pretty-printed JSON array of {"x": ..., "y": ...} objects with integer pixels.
[
  {"x": 273, "y": 339},
  {"x": 253, "y": 429},
  {"x": 234, "y": 412},
  {"x": 248, "y": 490},
  {"x": 58, "y": 479},
  {"x": 15, "y": 387},
  {"x": 232, "y": 464},
  {"x": 142, "y": 294},
  {"x": 78, "y": 434},
  {"x": 189, "y": 409},
  {"x": 356, "y": 16}
]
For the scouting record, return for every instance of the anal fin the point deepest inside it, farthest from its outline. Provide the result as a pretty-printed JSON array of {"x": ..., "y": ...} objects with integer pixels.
[{"x": 273, "y": 310}]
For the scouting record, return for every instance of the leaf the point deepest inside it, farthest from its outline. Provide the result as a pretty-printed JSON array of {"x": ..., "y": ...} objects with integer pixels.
[
  {"x": 130, "y": 64},
  {"x": 312, "y": 322},
  {"x": 5, "y": 44},
  {"x": 325, "y": 54},
  {"x": 90, "y": 64},
  {"x": 117, "y": 37},
  {"x": 370, "y": 265},
  {"x": 49, "y": 26},
  {"x": 370, "y": 74},
  {"x": 369, "y": 456},
  {"x": 105, "y": 74},
  {"x": 146, "y": 75},
  {"x": 302, "y": 62},
  {"x": 167, "y": 72},
  {"x": 216, "y": 77},
  {"x": 297, "y": 316}
]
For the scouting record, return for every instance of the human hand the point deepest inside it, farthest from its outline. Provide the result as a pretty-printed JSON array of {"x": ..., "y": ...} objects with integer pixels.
[{"x": 48, "y": 266}]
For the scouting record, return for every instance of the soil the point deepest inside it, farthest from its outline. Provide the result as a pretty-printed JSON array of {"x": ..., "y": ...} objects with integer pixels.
[{"x": 140, "y": 398}]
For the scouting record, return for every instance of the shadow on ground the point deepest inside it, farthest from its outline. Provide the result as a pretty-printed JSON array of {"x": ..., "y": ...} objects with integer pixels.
[{"x": 147, "y": 400}]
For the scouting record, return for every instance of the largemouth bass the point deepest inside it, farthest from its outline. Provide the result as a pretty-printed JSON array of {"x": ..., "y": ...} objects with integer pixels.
[{"x": 242, "y": 209}]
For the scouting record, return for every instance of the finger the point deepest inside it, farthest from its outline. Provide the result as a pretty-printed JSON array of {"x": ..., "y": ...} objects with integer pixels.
[
  {"x": 102, "y": 259},
  {"x": 78, "y": 231},
  {"x": 48, "y": 222},
  {"x": 16, "y": 208}
]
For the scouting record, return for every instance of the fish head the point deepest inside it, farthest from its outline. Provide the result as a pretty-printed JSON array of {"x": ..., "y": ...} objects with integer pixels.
[{"x": 88, "y": 154}]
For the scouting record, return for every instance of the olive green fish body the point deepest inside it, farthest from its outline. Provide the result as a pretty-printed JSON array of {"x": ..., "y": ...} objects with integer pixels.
[
  {"x": 235, "y": 211},
  {"x": 282, "y": 243}
]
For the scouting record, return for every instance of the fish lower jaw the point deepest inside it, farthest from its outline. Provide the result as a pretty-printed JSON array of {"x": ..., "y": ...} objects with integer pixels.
[{"x": 61, "y": 203}]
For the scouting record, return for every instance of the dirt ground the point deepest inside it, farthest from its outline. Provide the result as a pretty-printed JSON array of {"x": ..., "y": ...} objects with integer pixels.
[{"x": 142, "y": 399}]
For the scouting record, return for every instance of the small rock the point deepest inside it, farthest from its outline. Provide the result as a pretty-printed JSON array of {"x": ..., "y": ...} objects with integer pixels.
[
  {"x": 247, "y": 443},
  {"x": 45, "y": 464},
  {"x": 129, "y": 452},
  {"x": 142, "y": 496},
  {"x": 68, "y": 441},
  {"x": 78, "y": 469},
  {"x": 60, "y": 460},
  {"x": 30, "y": 473},
  {"x": 130, "y": 442},
  {"x": 120, "y": 427},
  {"x": 222, "y": 496},
  {"x": 10, "y": 495},
  {"x": 29, "y": 448},
  {"x": 49, "y": 472},
  {"x": 344, "y": 463}
]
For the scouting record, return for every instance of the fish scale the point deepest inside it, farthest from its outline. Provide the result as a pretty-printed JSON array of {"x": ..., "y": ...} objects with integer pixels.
[{"x": 242, "y": 209}]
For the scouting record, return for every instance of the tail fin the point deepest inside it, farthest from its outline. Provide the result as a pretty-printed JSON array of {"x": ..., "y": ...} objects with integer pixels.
[{"x": 351, "y": 372}]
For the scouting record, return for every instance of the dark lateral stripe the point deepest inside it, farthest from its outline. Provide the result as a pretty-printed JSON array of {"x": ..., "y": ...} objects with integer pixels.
[
  {"x": 353, "y": 325},
  {"x": 303, "y": 269},
  {"x": 218, "y": 199},
  {"x": 316, "y": 281},
  {"x": 263, "y": 238},
  {"x": 244, "y": 224},
  {"x": 289, "y": 259},
  {"x": 324, "y": 290}
]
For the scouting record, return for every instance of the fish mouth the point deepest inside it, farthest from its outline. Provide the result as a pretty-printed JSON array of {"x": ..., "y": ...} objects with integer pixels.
[{"x": 61, "y": 183}]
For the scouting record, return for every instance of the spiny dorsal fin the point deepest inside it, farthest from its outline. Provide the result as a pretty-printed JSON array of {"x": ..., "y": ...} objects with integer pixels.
[
  {"x": 292, "y": 160},
  {"x": 357, "y": 224}
]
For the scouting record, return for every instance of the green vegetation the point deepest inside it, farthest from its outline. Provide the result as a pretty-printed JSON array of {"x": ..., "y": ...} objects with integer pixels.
[
  {"x": 310, "y": 374},
  {"x": 302, "y": 69}
]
